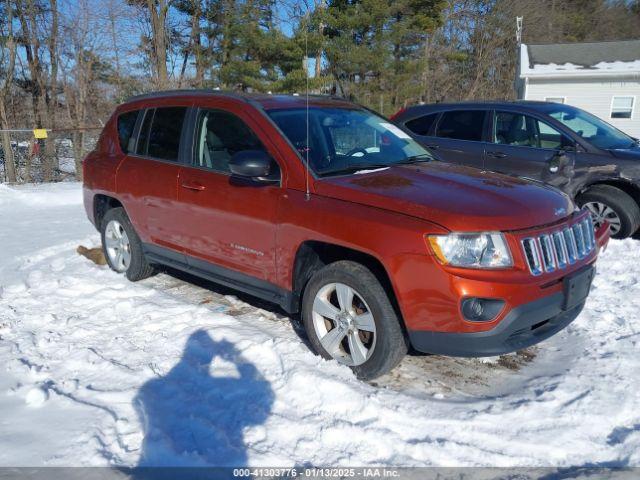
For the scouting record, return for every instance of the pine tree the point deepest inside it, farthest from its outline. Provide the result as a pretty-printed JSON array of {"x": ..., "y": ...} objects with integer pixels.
[{"x": 374, "y": 48}]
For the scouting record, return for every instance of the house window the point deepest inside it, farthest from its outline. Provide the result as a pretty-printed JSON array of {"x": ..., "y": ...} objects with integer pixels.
[
  {"x": 622, "y": 107},
  {"x": 554, "y": 99}
]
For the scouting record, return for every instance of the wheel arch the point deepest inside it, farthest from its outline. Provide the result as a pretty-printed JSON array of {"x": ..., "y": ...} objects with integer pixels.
[
  {"x": 101, "y": 205},
  {"x": 312, "y": 255},
  {"x": 626, "y": 186}
]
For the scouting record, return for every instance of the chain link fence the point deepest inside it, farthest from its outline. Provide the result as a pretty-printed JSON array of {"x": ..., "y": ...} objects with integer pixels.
[{"x": 54, "y": 158}]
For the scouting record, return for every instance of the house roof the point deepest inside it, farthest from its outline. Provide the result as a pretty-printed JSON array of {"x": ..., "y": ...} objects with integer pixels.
[{"x": 580, "y": 59}]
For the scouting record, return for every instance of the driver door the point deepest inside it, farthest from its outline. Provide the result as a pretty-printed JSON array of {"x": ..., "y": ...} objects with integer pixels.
[
  {"x": 525, "y": 146},
  {"x": 227, "y": 222}
]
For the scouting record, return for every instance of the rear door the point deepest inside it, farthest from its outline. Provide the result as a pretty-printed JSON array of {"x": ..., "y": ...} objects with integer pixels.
[
  {"x": 228, "y": 222},
  {"x": 459, "y": 137},
  {"x": 147, "y": 178},
  {"x": 526, "y": 146}
]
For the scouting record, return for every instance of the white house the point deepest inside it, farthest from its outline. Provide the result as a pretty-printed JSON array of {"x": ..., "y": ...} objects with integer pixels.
[{"x": 602, "y": 78}]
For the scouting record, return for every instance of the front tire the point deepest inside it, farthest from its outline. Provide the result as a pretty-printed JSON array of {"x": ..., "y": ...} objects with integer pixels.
[
  {"x": 348, "y": 317},
  {"x": 122, "y": 247},
  {"x": 613, "y": 205}
]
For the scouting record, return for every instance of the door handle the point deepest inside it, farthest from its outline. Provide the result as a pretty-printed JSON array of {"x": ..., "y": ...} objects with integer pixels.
[
  {"x": 194, "y": 186},
  {"x": 496, "y": 154},
  {"x": 432, "y": 147}
]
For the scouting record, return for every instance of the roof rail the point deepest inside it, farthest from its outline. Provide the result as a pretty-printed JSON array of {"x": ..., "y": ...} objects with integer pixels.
[
  {"x": 248, "y": 97},
  {"x": 184, "y": 91}
]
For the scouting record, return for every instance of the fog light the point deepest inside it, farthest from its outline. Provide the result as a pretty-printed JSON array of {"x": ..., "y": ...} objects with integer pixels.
[{"x": 481, "y": 309}]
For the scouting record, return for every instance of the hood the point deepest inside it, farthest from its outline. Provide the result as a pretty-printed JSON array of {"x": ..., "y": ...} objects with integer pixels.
[{"x": 455, "y": 197}]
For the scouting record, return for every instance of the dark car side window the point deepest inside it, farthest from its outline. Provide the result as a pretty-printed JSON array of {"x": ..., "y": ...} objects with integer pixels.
[
  {"x": 219, "y": 136},
  {"x": 422, "y": 125},
  {"x": 516, "y": 129},
  {"x": 160, "y": 133},
  {"x": 126, "y": 123},
  {"x": 462, "y": 125}
]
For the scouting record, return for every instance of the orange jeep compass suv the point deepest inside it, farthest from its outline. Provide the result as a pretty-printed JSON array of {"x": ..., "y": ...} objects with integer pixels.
[{"x": 326, "y": 209}]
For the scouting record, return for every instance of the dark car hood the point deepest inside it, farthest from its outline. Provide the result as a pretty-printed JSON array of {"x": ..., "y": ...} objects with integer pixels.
[{"x": 458, "y": 198}]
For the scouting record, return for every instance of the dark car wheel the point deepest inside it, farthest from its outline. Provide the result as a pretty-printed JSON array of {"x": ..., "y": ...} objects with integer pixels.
[
  {"x": 611, "y": 204},
  {"x": 348, "y": 317},
  {"x": 122, "y": 247}
]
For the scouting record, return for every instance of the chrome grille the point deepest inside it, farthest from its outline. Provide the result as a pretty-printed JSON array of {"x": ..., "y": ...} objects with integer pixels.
[
  {"x": 531, "y": 251},
  {"x": 548, "y": 257},
  {"x": 561, "y": 249},
  {"x": 570, "y": 241},
  {"x": 556, "y": 250},
  {"x": 580, "y": 243}
]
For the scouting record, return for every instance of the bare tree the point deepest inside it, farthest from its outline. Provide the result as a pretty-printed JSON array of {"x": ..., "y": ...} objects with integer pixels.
[
  {"x": 320, "y": 6},
  {"x": 193, "y": 8},
  {"x": 35, "y": 17},
  {"x": 158, "y": 10},
  {"x": 51, "y": 164},
  {"x": 83, "y": 33},
  {"x": 9, "y": 59}
]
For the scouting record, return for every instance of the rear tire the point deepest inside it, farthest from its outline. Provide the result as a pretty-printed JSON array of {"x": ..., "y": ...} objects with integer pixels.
[
  {"x": 122, "y": 247},
  {"x": 612, "y": 204},
  {"x": 367, "y": 320}
]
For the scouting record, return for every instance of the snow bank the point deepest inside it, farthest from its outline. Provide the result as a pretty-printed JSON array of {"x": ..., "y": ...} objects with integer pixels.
[
  {"x": 101, "y": 371},
  {"x": 59, "y": 194}
]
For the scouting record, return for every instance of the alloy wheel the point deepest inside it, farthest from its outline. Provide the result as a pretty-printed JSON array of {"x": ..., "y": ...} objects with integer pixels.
[
  {"x": 602, "y": 213},
  {"x": 344, "y": 324},
  {"x": 118, "y": 246}
]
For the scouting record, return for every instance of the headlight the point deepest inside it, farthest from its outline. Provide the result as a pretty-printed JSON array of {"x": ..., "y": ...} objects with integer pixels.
[{"x": 471, "y": 250}]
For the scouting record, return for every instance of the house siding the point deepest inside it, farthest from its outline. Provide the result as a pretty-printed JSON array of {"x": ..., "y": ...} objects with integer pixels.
[{"x": 593, "y": 95}]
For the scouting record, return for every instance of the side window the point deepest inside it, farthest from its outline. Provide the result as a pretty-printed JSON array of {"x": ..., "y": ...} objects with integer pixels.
[
  {"x": 422, "y": 125},
  {"x": 164, "y": 136},
  {"x": 519, "y": 130},
  {"x": 220, "y": 136},
  {"x": 514, "y": 129},
  {"x": 579, "y": 125},
  {"x": 549, "y": 137},
  {"x": 126, "y": 123},
  {"x": 462, "y": 125}
]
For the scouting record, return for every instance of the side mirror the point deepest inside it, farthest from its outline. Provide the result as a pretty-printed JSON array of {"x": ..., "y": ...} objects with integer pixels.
[
  {"x": 561, "y": 159},
  {"x": 251, "y": 164}
]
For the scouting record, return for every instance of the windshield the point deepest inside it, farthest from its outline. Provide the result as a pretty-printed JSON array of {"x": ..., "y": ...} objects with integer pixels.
[
  {"x": 591, "y": 128},
  {"x": 346, "y": 140}
]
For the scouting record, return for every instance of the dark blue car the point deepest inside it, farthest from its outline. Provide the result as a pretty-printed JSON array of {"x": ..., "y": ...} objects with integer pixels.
[{"x": 573, "y": 150}]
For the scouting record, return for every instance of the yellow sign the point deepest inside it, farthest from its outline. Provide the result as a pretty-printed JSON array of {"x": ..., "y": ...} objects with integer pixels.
[{"x": 39, "y": 133}]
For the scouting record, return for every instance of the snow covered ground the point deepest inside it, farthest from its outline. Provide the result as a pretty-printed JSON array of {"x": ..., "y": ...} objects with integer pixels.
[{"x": 100, "y": 371}]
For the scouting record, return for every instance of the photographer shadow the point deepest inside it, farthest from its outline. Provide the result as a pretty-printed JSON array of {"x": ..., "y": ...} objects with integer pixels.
[{"x": 197, "y": 413}]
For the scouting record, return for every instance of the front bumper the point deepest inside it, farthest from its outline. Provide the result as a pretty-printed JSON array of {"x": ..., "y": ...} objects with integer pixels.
[{"x": 523, "y": 326}]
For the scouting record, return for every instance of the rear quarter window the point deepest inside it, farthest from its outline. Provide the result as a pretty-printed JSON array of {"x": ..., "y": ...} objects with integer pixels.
[
  {"x": 126, "y": 123},
  {"x": 422, "y": 125}
]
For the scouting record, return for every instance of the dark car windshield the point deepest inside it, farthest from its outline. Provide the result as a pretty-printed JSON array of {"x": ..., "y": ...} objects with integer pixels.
[
  {"x": 342, "y": 140},
  {"x": 594, "y": 130}
]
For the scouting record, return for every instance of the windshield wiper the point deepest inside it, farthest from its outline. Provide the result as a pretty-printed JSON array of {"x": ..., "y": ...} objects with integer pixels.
[
  {"x": 423, "y": 157},
  {"x": 355, "y": 167}
]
